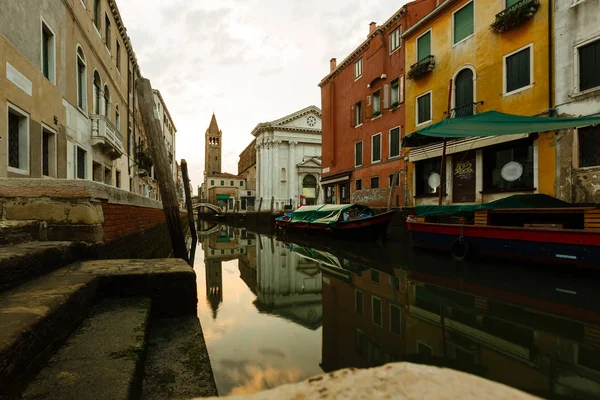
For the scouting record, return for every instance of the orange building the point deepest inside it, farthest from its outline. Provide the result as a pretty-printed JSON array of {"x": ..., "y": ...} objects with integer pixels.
[{"x": 362, "y": 102}]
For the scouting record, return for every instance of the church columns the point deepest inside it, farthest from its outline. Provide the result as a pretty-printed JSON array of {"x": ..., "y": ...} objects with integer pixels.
[
  {"x": 291, "y": 173},
  {"x": 276, "y": 171},
  {"x": 258, "y": 150}
]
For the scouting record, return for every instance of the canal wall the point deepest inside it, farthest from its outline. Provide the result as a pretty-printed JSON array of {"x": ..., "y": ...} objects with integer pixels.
[{"x": 119, "y": 223}]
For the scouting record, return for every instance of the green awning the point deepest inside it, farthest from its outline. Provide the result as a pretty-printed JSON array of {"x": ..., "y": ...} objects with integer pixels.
[
  {"x": 522, "y": 201},
  {"x": 223, "y": 197},
  {"x": 327, "y": 214},
  {"x": 492, "y": 123}
]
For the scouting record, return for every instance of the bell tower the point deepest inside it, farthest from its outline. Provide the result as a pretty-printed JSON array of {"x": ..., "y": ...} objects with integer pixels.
[{"x": 212, "y": 148}]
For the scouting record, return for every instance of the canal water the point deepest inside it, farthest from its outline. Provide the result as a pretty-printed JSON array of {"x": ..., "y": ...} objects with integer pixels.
[{"x": 275, "y": 312}]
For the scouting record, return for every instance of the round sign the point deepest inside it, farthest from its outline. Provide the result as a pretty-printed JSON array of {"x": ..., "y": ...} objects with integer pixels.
[
  {"x": 511, "y": 171},
  {"x": 434, "y": 180}
]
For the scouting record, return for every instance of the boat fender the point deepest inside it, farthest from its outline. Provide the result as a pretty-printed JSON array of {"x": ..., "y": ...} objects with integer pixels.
[{"x": 460, "y": 249}]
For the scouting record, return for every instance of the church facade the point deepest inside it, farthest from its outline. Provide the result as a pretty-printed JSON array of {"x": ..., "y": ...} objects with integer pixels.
[{"x": 288, "y": 160}]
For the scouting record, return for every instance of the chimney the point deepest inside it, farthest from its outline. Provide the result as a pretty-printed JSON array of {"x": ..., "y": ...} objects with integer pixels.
[
  {"x": 372, "y": 27},
  {"x": 332, "y": 64}
]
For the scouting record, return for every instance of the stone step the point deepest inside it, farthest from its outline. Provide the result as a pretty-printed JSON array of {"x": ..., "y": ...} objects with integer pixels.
[
  {"x": 102, "y": 359},
  {"x": 25, "y": 261},
  {"x": 12, "y": 232}
]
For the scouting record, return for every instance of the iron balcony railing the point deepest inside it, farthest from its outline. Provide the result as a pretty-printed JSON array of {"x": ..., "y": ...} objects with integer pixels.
[{"x": 464, "y": 110}]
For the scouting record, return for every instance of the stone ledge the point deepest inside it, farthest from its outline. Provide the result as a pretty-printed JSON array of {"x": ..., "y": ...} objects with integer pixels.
[
  {"x": 71, "y": 189},
  {"x": 392, "y": 381}
]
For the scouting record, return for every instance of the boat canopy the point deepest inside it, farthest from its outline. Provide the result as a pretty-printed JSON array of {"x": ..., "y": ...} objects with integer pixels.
[
  {"x": 492, "y": 123},
  {"x": 327, "y": 214},
  {"x": 517, "y": 201},
  {"x": 318, "y": 256}
]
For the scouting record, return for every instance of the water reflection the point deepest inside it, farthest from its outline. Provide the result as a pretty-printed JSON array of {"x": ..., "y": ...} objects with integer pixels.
[{"x": 280, "y": 312}]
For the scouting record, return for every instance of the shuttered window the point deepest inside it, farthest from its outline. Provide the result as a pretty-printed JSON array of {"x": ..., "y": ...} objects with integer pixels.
[
  {"x": 424, "y": 46},
  {"x": 589, "y": 146},
  {"x": 395, "y": 319},
  {"x": 463, "y": 23},
  {"x": 395, "y": 95},
  {"x": 358, "y": 68},
  {"x": 395, "y": 39},
  {"x": 376, "y": 103},
  {"x": 359, "y": 184},
  {"x": 394, "y": 142},
  {"x": 374, "y": 185},
  {"x": 376, "y": 310},
  {"x": 358, "y": 154},
  {"x": 358, "y": 114},
  {"x": 424, "y": 108},
  {"x": 376, "y": 148},
  {"x": 518, "y": 70},
  {"x": 511, "y": 2},
  {"x": 589, "y": 66}
]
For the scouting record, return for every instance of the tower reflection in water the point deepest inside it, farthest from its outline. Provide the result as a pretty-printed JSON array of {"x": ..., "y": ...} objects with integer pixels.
[{"x": 517, "y": 327}]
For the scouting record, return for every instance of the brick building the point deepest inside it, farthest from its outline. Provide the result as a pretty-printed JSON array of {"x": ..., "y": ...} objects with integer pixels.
[{"x": 363, "y": 115}]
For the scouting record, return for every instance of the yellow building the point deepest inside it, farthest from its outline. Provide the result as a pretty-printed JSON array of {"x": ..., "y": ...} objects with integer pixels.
[{"x": 508, "y": 70}]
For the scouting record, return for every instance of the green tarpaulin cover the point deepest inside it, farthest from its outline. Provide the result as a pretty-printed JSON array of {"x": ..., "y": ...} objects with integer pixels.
[
  {"x": 320, "y": 257},
  {"x": 223, "y": 197},
  {"x": 327, "y": 214},
  {"x": 515, "y": 201},
  {"x": 492, "y": 123}
]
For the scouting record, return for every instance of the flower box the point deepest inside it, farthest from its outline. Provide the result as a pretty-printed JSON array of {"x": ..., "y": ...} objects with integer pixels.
[{"x": 515, "y": 16}]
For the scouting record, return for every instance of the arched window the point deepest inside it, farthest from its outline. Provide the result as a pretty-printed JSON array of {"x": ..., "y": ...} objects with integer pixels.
[
  {"x": 463, "y": 96},
  {"x": 117, "y": 118},
  {"x": 283, "y": 175},
  {"x": 81, "y": 80},
  {"x": 106, "y": 101},
  {"x": 309, "y": 189},
  {"x": 97, "y": 90}
]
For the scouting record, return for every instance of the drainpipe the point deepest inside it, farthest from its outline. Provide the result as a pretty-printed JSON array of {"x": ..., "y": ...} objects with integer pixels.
[{"x": 550, "y": 61}]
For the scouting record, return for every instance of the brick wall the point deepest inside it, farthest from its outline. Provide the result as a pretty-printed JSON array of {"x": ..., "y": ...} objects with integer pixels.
[{"x": 121, "y": 220}]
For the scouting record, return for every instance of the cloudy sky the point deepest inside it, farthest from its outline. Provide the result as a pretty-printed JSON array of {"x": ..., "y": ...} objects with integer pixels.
[{"x": 249, "y": 61}]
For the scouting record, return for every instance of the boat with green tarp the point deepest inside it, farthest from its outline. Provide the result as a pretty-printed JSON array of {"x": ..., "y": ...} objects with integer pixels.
[{"x": 347, "y": 221}]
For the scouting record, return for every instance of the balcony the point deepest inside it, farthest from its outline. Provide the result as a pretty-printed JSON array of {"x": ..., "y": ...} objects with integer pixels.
[
  {"x": 421, "y": 68},
  {"x": 106, "y": 136},
  {"x": 465, "y": 110},
  {"x": 514, "y": 16}
]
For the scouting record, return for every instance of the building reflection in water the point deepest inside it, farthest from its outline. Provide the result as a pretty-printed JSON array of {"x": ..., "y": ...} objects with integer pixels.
[{"x": 529, "y": 335}]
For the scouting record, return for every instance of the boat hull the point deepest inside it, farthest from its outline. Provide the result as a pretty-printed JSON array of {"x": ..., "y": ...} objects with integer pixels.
[
  {"x": 367, "y": 229},
  {"x": 572, "y": 247}
]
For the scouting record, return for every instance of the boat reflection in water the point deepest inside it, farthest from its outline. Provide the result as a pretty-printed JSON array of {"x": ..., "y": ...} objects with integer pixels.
[{"x": 533, "y": 330}]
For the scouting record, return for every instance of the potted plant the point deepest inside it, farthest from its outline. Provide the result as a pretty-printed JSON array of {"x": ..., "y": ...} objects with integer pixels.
[
  {"x": 515, "y": 16},
  {"x": 395, "y": 104},
  {"x": 376, "y": 114},
  {"x": 421, "y": 68}
]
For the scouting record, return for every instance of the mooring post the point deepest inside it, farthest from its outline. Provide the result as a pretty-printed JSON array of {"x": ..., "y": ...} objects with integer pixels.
[
  {"x": 158, "y": 152},
  {"x": 272, "y": 203},
  {"x": 260, "y": 204},
  {"x": 392, "y": 189},
  {"x": 188, "y": 198}
]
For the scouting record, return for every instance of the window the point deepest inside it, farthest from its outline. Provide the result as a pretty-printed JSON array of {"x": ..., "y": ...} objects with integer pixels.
[
  {"x": 395, "y": 142},
  {"x": 222, "y": 183},
  {"x": 395, "y": 319},
  {"x": 48, "y": 152},
  {"x": 424, "y": 46},
  {"x": 361, "y": 345},
  {"x": 80, "y": 164},
  {"x": 589, "y": 146},
  {"x": 376, "y": 147},
  {"x": 241, "y": 183},
  {"x": 464, "y": 96},
  {"x": 106, "y": 101},
  {"x": 358, "y": 115},
  {"x": 118, "y": 56},
  {"x": 376, "y": 104},
  {"x": 107, "y": 176},
  {"x": 117, "y": 118},
  {"x": 358, "y": 154},
  {"x": 231, "y": 183},
  {"x": 397, "y": 92},
  {"x": 589, "y": 65},
  {"x": 395, "y": 39},
  {"x": 358, "y": 301},
  {"x": 374, "y": 276},
  {"x": 118, "y": 178},
  {"x": 395, "y": 282},
  {"x": 107, "y": 31},
  {"x": 427, "y": 175},
  {"x": 358, "y": 69},
  {"x": 391, "y": 180},
  {"x": 508, "y": 166},
  {"x": 212, "y": 182},
  {"x": 376, "y": 310},
  {"x": 375, "y": 182},
  {"x": 463, "y": 23},
  {"x": 81, "y": 80},
  {"x": 518, "y": 70},
  {"x": 97, "y": 92},
  {"x": 18, "y": 140},
  {"x": 359, "y": 184},
  {"x": 424, "y": 108},
  {"x": 48, "y": 52},
  {"x": 97, "y": 14}
]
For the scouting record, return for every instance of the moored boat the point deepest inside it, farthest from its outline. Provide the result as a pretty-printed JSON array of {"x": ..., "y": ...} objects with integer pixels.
[
  {"x": 527, "y": 227},
  {"x": 344, "y": 221}
]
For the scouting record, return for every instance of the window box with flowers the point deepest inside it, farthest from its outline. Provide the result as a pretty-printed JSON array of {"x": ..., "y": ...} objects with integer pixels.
[
  {"x": 515, "y": 15},
  {"x": 144, "y": 160},
  {"x": 421, "y": 68}
]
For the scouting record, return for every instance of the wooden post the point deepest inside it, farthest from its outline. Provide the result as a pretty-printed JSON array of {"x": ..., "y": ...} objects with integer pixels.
[
  {"x": 392, "y": 190},
  {"x": 272, "y": 203},
  {"x": 188, "y": 198},
  {"x": 443, "y": 163},
  {"x": 158, "y": 152},
  {"x": 260, "y": 204}
]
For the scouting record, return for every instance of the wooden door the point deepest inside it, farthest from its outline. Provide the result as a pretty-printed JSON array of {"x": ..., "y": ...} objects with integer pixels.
[{"x": 463, "y": 177}]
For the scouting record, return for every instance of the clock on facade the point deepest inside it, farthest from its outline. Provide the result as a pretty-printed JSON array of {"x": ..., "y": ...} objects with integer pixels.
[{"x": 311, "y": 121}]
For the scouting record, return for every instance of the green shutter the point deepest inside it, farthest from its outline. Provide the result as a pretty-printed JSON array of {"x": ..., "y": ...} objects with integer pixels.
[
  {"x": 376, "y": 148},
  {"x": 511, "y": 2},
  {"x": 358, "y": 155},
  {"x": 463, "y": 23},
  {"x": 518, "y": 70},
  {"x": 424, "y": 108},
  {"x": 589, "y": 66},
  {"x": 424, "y": 46},
  {"x": 395, "y": 142}
]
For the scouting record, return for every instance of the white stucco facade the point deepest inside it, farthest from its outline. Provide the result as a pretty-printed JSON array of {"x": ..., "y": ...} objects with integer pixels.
[{"x": 288, "y": 154}]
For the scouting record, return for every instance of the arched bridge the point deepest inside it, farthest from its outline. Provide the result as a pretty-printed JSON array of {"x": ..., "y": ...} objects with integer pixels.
[{"x": 214, "y": 208}]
